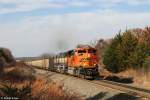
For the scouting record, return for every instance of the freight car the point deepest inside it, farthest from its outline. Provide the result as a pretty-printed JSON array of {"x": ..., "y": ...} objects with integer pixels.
[{"x": 80, "y": 62}]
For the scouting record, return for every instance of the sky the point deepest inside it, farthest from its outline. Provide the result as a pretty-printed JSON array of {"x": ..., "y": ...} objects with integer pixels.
[{"x": 34, "y": 27}]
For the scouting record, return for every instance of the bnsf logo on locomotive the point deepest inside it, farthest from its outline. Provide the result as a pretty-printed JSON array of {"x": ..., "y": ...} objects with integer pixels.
[{"x": 85, "y": 59}]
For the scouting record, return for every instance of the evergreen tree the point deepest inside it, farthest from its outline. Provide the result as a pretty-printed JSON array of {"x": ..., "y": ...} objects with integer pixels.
[
  {"x": 129, "y": 43},
  {"x": 111, "y": 57},
  {"x": 128, "y": 50}
]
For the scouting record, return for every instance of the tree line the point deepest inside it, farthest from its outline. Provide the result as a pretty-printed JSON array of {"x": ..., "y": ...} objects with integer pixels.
[{"x": 128, "y": 49}]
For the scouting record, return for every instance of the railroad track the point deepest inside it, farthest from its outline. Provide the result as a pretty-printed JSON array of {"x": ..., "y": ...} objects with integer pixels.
[{"x": 131, "y": 90}]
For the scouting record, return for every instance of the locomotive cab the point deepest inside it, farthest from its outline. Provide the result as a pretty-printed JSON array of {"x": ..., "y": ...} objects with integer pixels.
[{"x": 86, "y": 57}]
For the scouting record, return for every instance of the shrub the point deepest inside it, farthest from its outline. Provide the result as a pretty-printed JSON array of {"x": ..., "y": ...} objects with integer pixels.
[
  {"x": 6, "y": 58},
  {"x": 10, "y": 90}
]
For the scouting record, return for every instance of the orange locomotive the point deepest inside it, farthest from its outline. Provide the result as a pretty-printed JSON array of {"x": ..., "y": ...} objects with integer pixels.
[{"x": 81, "y": 62}]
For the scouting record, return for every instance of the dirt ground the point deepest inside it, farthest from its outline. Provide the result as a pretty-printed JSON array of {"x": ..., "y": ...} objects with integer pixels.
[{"x": 137, "y": 78}]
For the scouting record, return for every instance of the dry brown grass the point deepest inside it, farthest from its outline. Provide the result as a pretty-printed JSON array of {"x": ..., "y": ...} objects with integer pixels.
[
  {"x": 141, "y": 77},
  {"x": 41, "y": 90},
  {"x": 19, "y": 78},
  {"x": 104, "y": 73}
]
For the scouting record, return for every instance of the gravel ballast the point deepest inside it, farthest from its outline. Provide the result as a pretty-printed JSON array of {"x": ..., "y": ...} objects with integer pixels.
[{"x": 83, "y": 88}]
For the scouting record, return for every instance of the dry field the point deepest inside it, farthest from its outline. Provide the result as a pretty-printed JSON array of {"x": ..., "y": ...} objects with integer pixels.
[
  {"x": 21, "y": 82},
  {"x": 141, "y": 78}
]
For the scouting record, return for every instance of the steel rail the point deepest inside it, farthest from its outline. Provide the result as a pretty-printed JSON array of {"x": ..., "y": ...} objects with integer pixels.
[{"x": 132, "y": 90}]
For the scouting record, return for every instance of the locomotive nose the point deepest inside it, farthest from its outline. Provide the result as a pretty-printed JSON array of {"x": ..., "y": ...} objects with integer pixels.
[
  {"x": 89, "y": 55},
  {"x": 92, "y": 60}
]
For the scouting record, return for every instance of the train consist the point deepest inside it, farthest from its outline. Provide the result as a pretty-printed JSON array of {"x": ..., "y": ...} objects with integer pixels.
[{"x": 80, "y": 62}]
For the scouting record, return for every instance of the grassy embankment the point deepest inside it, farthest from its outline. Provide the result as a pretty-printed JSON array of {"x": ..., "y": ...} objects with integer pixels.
[{"x": 19, "y": 81}]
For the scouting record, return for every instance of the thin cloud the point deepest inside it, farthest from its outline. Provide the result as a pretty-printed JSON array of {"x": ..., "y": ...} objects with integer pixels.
[
  {"x": 54, "y": 33},
  {"x": 139, "y": 2},
  {"x": 30, "y": 5},
  {"x": 27, "y": 5},
  {"x": 34, "y": 35}
]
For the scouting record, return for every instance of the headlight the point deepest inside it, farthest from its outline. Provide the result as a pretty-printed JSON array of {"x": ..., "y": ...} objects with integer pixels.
[{"x": 95, "y": 65}]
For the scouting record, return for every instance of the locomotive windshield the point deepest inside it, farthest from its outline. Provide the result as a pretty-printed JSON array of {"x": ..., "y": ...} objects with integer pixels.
[
  {"x": 81, "y": 51},
  {"x": 92, "y": 51},
  {"x": 70, "y": 53}
]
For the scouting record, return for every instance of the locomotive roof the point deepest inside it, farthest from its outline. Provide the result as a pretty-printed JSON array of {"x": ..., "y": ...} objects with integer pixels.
[
  {"x": 81, "y": 48},
  {"x": 71, "y": 51}
]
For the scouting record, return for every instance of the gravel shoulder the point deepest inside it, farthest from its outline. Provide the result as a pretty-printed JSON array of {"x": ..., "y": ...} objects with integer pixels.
[{"x": 84, "y": 89}]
